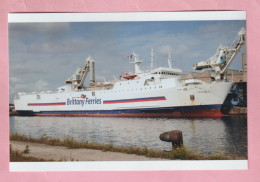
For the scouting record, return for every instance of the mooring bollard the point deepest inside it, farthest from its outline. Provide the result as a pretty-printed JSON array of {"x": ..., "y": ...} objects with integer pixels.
[{"x": 174, "y": 136}]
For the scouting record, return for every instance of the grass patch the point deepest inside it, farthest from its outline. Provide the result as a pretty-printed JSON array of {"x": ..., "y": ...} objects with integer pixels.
[
  {"x": 26, "y": 150},
  {"x": 16, "y": 156},
  {"x": 179, "y": 153}
]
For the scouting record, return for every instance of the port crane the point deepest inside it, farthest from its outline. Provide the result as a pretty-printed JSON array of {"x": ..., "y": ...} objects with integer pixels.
[
  {"x": 80, "y": 75},
  {"x": 224, "y": 56}
]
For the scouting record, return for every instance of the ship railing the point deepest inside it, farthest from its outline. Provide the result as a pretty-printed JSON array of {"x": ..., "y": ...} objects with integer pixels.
[{"x": 36, "y": 93}]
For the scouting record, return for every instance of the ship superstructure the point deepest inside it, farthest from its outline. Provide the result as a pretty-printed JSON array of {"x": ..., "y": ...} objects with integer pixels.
[{"x": 158, "y": 92}]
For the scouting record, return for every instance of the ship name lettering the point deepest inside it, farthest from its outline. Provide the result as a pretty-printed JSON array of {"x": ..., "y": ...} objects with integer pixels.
[
  {"x": 83, "y": 102},
  {"x": 93, "y": 101},
  {"x": 75, "y": 102}
]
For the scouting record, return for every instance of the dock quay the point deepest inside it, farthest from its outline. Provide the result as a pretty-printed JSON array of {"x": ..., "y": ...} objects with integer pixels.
[
  {"x": 233, "y": 111},
  {"x": 238, "y": 111}
]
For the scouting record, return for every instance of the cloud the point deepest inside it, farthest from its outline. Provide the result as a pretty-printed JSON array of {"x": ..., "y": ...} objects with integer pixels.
[
  {"x": 181, "y": 49},
  {"x": 27, "y": 30},
  {"x": 67, "y": 45},
  {"x": 15, "y": 80},
  {"x": 211, "y": 29},
  {"x": 220, "y": 33},
  {"x": 41, "y": 85},
  {"x": 27, "y": 69},
  {"x": 165, "y": 49},
  {"x": 42, "y": 55}
]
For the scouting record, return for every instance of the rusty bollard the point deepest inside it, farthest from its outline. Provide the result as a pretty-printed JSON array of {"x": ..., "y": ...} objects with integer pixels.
[{"x": 174, "y": 136}]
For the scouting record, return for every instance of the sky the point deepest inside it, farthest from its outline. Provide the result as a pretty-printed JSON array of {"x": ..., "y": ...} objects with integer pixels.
[{"x": 43, "y": 55}]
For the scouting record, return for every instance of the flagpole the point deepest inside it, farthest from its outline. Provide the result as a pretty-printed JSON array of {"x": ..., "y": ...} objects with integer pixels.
[{"x": 129, "y": 64}]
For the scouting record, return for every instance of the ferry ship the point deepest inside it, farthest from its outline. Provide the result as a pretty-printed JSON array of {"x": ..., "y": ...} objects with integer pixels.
[{"x": 159, "y": 92}]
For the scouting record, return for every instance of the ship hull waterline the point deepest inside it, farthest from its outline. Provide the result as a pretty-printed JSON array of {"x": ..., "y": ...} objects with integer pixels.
[{"x": 187, "y": 111}]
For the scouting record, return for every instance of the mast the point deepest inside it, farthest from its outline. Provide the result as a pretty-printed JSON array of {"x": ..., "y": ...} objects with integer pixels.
[
  {"x": 137, "y": 63},
  {"x": 152, "y": 61},
  {"x": 169, "y": 59}
]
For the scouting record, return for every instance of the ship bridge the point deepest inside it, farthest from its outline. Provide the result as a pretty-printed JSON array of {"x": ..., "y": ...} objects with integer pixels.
[{"x": 166, "y": 71}]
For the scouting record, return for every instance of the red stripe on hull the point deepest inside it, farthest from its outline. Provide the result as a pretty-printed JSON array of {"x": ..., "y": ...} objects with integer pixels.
[
  {"x": 202, "y": 113},
  {"x": 46, "y": 104},
  {"x": 144, "y": 100}
]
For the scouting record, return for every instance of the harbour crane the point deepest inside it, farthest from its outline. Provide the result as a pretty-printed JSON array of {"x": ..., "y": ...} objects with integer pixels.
[
  {"x": 80, "y": 75},
  {"x": 224, "y": 56}
]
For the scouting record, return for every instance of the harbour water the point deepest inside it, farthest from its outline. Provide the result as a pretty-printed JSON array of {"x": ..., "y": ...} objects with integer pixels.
[{"x": 226, "y": 135}]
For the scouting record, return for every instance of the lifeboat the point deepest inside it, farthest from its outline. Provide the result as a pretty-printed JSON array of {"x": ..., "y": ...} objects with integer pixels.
[{"x": 128, "y": 77}]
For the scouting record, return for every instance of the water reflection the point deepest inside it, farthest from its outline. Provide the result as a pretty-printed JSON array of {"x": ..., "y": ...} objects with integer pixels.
[
  {"x": 208, "y": 136},
  {"x": 236, "y": 138}
]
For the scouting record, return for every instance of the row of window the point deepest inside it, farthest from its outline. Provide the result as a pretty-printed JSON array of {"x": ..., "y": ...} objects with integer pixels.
[
  {"x": 145, "y": 88},
  {"x": 164, "y": 73},
  {"x": 94, "y": 93},
  {"x": 128, "y": 82}
]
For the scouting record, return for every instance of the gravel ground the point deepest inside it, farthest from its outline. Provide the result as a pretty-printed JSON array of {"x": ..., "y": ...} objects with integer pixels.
[{"x": 58, "y": 153}]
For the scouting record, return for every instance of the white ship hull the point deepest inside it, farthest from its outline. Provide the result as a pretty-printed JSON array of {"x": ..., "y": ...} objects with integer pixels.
[
  {"x": 131, "y": 99},
  {"x": 159, "y": 92}
]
